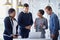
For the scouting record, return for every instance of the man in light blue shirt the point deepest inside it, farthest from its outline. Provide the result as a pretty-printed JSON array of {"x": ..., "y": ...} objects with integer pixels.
[{"x": 54, "y": 23}]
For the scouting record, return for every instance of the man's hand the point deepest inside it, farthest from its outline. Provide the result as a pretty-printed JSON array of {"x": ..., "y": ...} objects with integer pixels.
[
  {"x": 28, "y": 27},
  {"x": 52, "y": 36}
]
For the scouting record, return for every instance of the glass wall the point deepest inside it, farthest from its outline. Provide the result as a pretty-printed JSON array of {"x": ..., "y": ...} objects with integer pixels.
[{"x": 3, "y": 14}]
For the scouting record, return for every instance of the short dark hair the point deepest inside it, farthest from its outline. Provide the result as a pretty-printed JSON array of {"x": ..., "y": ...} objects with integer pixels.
[
  {"x": 41, "y": 11},
  {"x": 11, "y": 10},
  {"x": 48, "y": 7},
  {"x": 26, "y": 5}
]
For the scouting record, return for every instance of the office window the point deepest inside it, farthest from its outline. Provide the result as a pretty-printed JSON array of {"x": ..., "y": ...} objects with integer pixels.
[{"x": 3, "y": 14}]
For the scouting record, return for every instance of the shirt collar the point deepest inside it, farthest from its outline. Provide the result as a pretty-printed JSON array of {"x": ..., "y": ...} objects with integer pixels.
[
  {"x": 52, "y": 14},
  {"x": 27, "y": 12}
]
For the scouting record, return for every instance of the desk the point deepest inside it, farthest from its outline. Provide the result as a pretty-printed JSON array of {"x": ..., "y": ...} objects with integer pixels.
[
  {"x": 31, "y": 39},
  {"x": 36, "y": 39}
]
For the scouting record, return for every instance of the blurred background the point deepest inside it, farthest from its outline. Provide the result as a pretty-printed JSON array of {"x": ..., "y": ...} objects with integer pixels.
[{"x": 35, "y": 5}]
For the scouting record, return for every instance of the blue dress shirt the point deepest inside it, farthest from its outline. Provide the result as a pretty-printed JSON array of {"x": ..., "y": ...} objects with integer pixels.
[{"x": 54, "y": 24}]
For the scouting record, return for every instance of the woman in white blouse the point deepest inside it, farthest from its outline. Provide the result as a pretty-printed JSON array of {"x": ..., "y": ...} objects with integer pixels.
[{"x": 11, "y": 25}]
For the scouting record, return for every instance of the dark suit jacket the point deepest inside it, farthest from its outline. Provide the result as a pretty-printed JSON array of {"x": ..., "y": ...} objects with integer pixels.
[{"x": 8, "y": 26}]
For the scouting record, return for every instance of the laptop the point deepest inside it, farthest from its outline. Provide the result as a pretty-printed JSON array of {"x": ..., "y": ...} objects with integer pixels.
[{"x": 34, "y": 35}]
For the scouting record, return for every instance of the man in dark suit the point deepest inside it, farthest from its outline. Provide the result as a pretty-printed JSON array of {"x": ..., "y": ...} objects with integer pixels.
[{"x": 25, "y": 21}]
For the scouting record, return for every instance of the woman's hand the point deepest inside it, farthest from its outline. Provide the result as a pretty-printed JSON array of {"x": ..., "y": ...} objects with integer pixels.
[
  {"x": 15, "y": 36},
  {"x": 41, "y": 25}
]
